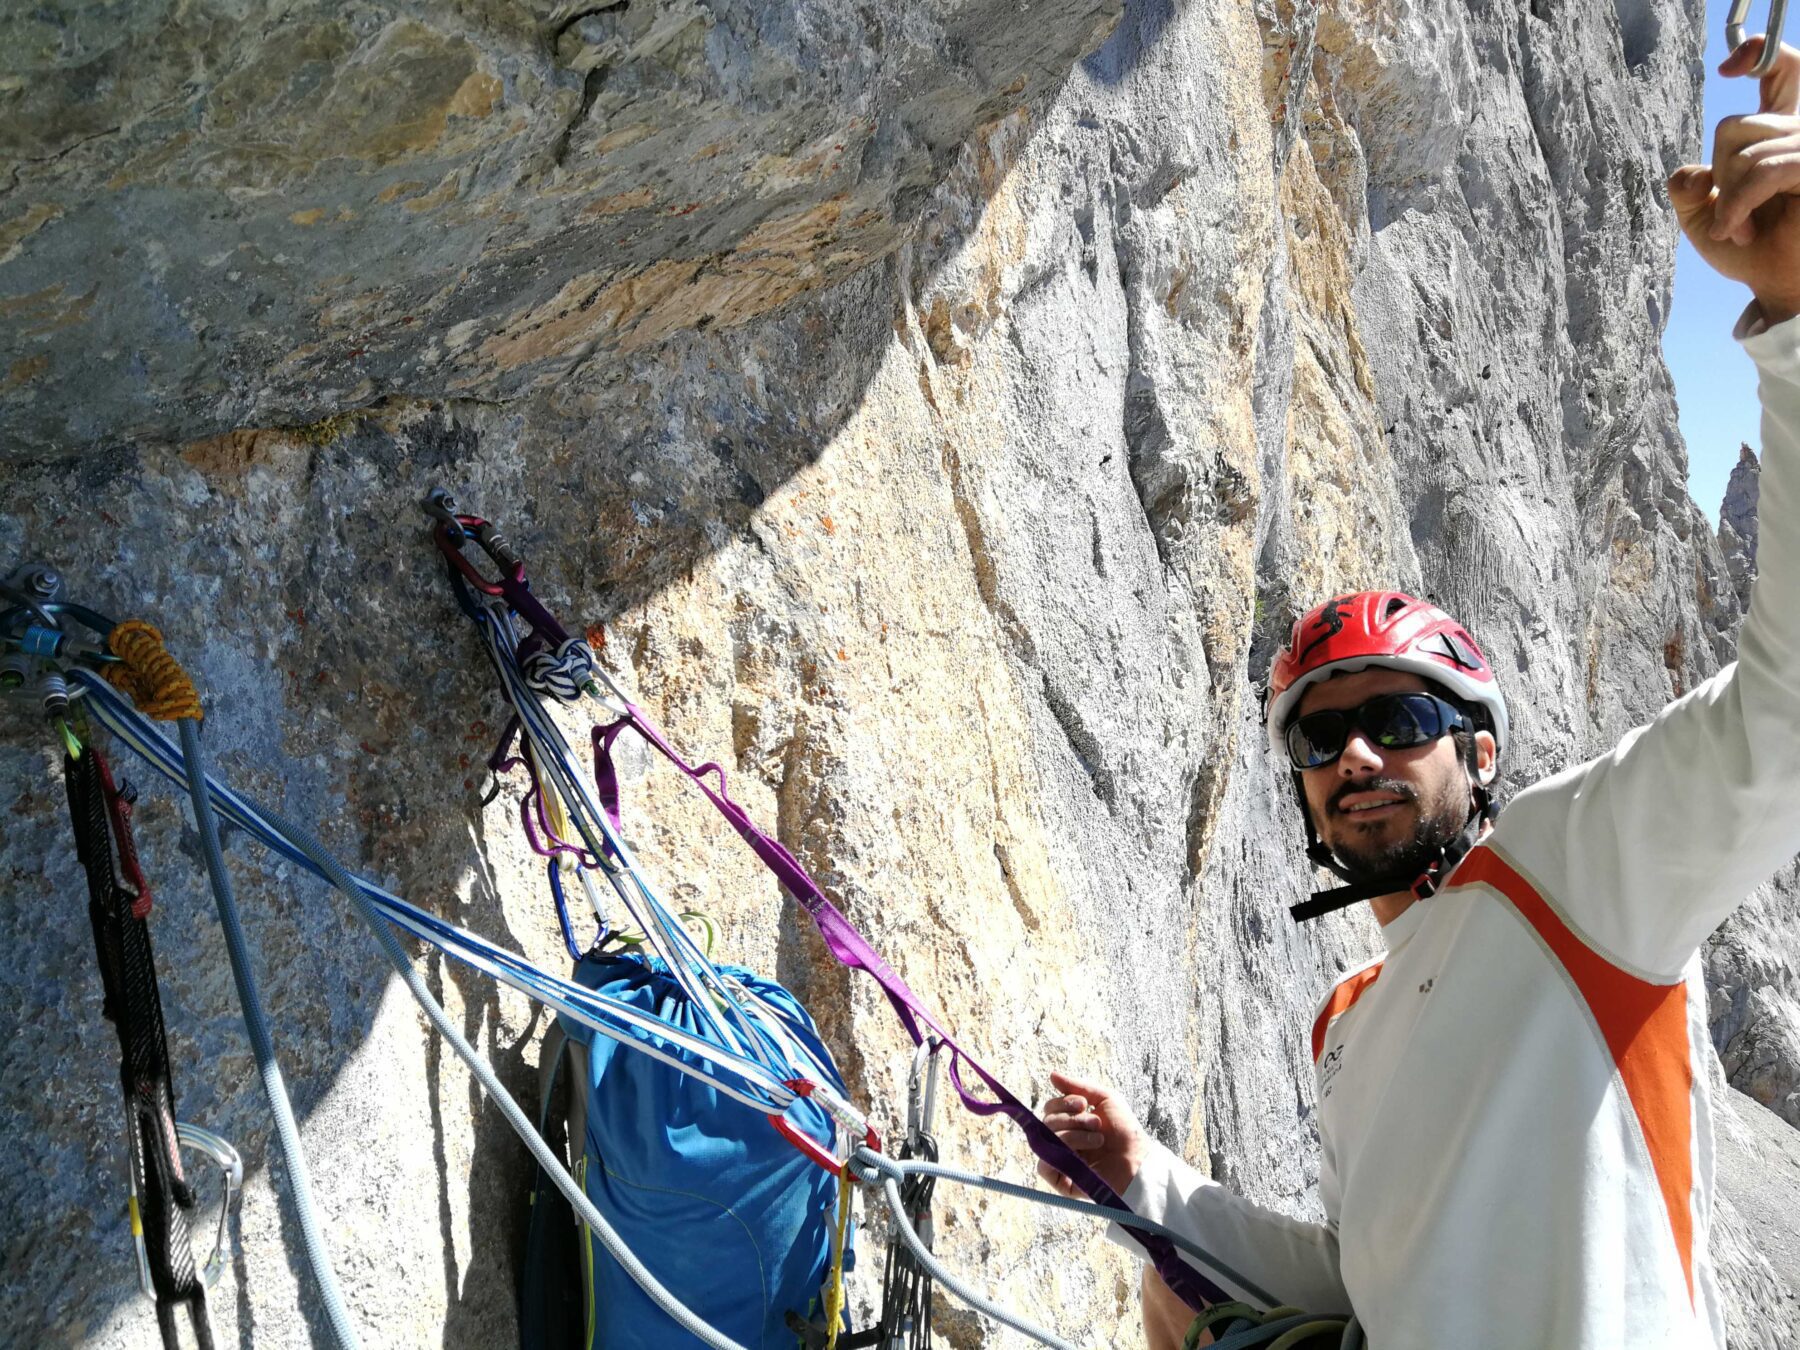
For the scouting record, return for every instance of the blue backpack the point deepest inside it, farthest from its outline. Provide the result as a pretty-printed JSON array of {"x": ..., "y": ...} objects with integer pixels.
[{"x": 724, "y": 1212}]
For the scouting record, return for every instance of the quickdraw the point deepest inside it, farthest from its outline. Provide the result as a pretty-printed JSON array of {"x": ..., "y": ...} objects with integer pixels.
[{"x": 161, "y": 1202}]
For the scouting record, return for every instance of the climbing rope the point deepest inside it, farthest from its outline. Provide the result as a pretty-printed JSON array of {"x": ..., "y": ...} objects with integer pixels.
[
  {"x": 378, "y": 910},
  {"x": 262, "y": 1043},
  {"x": 562, "y": 674},
  {"x": 733, "y": 1075},
  {"x": 150, "y": 676},
  {"x": 1238, "y": 1326}
]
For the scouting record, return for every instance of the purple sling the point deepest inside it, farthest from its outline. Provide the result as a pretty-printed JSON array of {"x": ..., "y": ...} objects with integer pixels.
[{"x": 852, "y": 949}]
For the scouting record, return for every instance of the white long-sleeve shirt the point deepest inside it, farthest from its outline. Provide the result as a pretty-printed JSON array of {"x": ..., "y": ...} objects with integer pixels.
[{"x": 1512, "y": 1102}]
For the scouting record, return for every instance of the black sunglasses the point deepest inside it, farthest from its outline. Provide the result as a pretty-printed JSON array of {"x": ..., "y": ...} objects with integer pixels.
[{"x": 1391, "y": 721}]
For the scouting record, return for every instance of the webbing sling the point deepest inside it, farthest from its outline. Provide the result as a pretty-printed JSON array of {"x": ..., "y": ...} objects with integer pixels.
[
  {"x": 852, "y": 949},
  {"x": 101, "y": 816}
]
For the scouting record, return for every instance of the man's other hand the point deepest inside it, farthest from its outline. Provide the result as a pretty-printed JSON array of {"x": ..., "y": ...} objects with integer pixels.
[
  {"x": 1098, "y": 1124},
  {"x": 1741, "y": 212}
]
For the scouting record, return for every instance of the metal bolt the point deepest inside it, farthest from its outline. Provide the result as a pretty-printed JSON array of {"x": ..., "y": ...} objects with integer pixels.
[{"x": 43, "y": 582}]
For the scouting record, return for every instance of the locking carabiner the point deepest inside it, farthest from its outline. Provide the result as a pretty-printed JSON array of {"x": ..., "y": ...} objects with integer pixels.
[
  {"x": 454, "y": 529},
  {"x": 1735, "y": 35}
]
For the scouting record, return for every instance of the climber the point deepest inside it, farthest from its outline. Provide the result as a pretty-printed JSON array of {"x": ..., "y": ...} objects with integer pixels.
[{"x": 1514, "y": 1118}]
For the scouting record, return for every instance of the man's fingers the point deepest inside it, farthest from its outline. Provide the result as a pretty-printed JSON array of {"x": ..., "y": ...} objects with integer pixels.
[
  {"x": 1766, "y": 177},
  {"x": 1096, "y": 1093}
]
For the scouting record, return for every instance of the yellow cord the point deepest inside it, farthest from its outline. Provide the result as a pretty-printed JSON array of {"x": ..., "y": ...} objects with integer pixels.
[
  {"x": 834, "y": 1289},
  {"x": 152, "y": 678}
]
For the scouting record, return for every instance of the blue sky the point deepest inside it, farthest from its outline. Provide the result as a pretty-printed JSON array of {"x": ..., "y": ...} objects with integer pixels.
[{"x": 1714, "y": 381}]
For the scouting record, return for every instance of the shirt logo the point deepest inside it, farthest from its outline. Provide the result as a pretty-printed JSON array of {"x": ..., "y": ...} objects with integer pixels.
[{"x": 1328, "y": 1070}]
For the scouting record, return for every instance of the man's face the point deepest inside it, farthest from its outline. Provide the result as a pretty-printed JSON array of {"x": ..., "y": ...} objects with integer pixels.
[{"x": 1385, "y": 812}]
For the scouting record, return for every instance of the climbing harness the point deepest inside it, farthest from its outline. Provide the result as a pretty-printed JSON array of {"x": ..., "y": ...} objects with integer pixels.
[
  {"x": 1238, "y": 1326},
  {"x": 1735, "y": 35}
]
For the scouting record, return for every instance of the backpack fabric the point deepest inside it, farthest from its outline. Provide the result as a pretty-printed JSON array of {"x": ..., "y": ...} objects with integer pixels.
[{"x": 723, "y": 1211}]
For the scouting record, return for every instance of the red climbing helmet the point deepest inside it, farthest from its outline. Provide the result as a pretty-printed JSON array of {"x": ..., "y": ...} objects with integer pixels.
[{"x": 1386, "y": 629}]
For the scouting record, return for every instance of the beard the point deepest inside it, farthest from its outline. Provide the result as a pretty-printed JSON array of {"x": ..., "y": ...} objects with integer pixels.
[{"x": 1366, "y": 856}]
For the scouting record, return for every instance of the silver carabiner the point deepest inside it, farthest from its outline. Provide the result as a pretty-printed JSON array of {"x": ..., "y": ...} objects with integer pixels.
[
  {"x": 231, "y": 1177},
  {"x": 921, "y": 1088},
  {"x": 1734, "y": 32}
]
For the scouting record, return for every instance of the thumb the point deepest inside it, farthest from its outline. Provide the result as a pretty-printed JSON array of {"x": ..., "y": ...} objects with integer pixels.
[
  {"x": 1743, "y": 56},
  {"x": 1068, "y": 1083},
  {"x": 1691, "y": 192},
  {"x": 1780, "y": 88}
]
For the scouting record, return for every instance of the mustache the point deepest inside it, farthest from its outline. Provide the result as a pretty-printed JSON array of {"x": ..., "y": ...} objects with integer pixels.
[{"x": 1404, "y": 791}]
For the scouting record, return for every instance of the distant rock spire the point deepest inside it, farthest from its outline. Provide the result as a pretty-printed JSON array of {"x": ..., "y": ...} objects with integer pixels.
[{"x": 1737, "y": 522}]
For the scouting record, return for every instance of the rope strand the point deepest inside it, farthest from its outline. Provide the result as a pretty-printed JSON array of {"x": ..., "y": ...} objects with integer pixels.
[{"x": 149, "y": 675}]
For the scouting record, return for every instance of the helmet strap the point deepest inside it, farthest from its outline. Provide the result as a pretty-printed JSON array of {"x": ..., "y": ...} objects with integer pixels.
[{"x": 1424, "y": 885}]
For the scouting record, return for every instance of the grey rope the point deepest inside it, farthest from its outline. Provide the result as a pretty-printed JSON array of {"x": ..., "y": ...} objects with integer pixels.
[
  {"x": 615, "y": 1246},
  {"x": 287, "y": 1133},
  {"x": 899, "y": 1169},
  {"x": 890, "y": 1188}
]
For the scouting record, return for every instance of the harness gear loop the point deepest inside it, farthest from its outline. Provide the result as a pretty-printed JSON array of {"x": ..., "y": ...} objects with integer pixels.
[{"x": 149, "y": 675}]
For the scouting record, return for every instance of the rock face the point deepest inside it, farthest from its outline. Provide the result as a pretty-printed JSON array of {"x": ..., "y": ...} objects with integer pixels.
[
  {"x": 945, "y": 408},
  {"x": 1737, "y": 523}
]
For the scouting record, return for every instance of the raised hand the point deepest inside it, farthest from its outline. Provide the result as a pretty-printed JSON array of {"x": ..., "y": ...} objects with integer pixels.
[
  {"x": 1095, "y": 1121},
  {"x": 1742, "y": 211}
]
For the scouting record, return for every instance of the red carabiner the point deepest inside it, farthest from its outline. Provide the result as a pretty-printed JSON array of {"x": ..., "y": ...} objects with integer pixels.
[
  {"x": 813, "y": 1150},
  {"x": 452, "y": 549}
]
